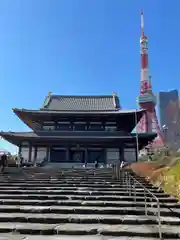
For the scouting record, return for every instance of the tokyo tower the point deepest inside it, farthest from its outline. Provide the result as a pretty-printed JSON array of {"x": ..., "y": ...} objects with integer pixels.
[{"x": 147, "y": 99}]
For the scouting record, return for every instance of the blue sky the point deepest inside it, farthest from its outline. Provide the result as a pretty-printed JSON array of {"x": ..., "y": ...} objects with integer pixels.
[{"x": 82, "y": 47}]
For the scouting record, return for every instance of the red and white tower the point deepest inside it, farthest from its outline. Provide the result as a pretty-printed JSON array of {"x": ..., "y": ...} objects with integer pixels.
[{"x": 147, "y": 100}]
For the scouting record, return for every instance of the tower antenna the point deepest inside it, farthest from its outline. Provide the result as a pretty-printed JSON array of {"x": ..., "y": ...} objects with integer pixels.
[{"x": 142, "y": 23}]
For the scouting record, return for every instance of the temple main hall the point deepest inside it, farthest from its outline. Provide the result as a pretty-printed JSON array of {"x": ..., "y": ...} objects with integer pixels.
[{"x": 74, "y": 130}]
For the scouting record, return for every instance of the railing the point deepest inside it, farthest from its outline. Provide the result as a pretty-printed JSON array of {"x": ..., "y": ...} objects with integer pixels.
[
  {"x": 95, "y": 133},
  {"x": 131, "y": 183}
]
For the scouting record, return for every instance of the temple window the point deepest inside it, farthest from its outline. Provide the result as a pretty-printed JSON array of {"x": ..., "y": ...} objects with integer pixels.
[
  {"x": 130, "y": 155},
  {"x": 48, "y": 123},
  {"x": 96, "y": 126},
  {"x": 110, "y": 128},
  {"x": 50, "y": 127},
  {"x": 79, "y": 126},
  {"x": 64, "y": 126}
]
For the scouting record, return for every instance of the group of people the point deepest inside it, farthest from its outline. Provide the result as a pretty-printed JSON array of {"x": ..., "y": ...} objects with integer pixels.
[
  {"x": 122, "y": 163},
  {"x": 4, "y": 161},
  {"x": 19, "y": 161}
]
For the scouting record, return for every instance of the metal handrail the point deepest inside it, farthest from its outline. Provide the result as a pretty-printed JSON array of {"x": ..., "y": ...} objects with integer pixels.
[
  {"x": 147, "y": 191},
  {"x": 131, "y": 182}
]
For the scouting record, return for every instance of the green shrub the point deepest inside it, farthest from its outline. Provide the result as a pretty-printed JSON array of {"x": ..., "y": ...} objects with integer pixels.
[
  {"x": 171, "y": 180},
  {"x": 167, "y": 165}
]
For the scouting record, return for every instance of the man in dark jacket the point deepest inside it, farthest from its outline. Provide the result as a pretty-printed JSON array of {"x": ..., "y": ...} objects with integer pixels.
[{"x": 3, "y": 162}]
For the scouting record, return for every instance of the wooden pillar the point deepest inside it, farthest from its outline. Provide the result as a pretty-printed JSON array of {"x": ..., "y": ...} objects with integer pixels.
[
  {"x": 86, "y": 156},
  {"x": 48, "y": 154},
  {"x": 121, "y": 152},
  {"x": 30, "y": 152},
  {"x": 35, "y": 154},
  {"x": 104, "y": 156},
  {"x": 136, "y": 154},
  {"x": 67, "y": 153},
  {"x": 56, "y": 125},
  {"x": 20, "y": 149}
]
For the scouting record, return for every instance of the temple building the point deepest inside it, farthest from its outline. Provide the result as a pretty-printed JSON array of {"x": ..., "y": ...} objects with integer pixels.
[{"x": 75, "y": 130}]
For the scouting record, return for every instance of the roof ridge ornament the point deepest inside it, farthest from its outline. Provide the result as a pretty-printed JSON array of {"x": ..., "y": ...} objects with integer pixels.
[
  {"x": 47, "y": 99},
  {"x": 116, "y": 101}
]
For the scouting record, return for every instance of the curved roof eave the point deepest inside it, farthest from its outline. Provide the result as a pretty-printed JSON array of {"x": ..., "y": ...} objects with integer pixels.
[{"x": 46, "y": 111}]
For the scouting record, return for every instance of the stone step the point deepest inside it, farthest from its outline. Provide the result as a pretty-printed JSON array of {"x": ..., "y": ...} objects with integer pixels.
[
  {"x": 57, "y": 179},
  {"x": 87, "y": 197},
  {"x": 94, "y": 171},
  {"x": 75, "y": 177},
  {"x": 22, "y": 174},
  {"x": 48, "y": 172},
  {"x": 35, "y": 183},
  {"x": 59, "y": 169},
  {"x": 85, "y": 203},
  {"x": 16, "y": 236},
  {"x": 91, "y": 173},
  {"x": 65, "y": 184},
  {"x": 80, "y": 192},
  {"x": 103, "y": 187},
  {"x": 86, "y": 210},
  {"x": 91, "y": 229},
  {"x": 60, "y": 175},
  {"x": 82, "y": 202},
  {"x": 86, "y": 219},
  {"x": 61, "y": 180},
  {"x": 47, "y": 176},
  {"x": 73, "y": 188},
  {"x": 46, "y": 179}
]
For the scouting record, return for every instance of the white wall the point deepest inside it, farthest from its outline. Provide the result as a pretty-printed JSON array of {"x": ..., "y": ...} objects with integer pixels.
[
  {"x": 25, "y": 153},
  {"x": 41, "y": 154},
  {"x": 130, "y": 154},
  {"x": 112, "y": 155}
]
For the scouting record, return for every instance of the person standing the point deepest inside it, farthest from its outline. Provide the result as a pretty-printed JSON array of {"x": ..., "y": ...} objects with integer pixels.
[
  {"x": 17, "y": 159},
  {"x": 97, "y": 162},
  {"x": 3, "y": 162},
  {"x": 121, "y": 164},
  {"x": 21, "y": 160}
]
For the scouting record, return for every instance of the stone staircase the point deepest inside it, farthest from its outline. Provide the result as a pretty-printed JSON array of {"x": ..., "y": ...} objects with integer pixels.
[{"x": 88, "y": 203}]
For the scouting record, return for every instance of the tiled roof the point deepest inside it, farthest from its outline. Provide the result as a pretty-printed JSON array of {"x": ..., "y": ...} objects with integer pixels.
[
  {"x": 16, "y": 138},
  {"x": 82, "y": 103}
]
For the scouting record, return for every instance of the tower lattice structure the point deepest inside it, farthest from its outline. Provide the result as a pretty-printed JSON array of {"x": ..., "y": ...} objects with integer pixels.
[{"x": 147, "y": 99}]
